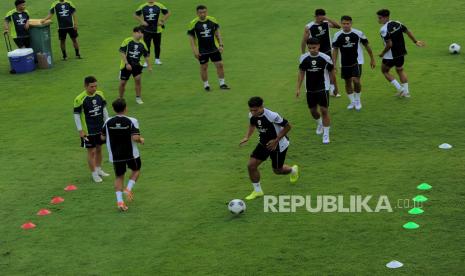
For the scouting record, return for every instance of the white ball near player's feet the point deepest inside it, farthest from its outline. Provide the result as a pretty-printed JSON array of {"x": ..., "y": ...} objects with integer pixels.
[
  {"x": 236, "y": 206},
  {"x": 454, "y": 48}
]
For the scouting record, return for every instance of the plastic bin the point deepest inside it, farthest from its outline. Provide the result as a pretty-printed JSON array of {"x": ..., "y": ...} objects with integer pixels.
[{"x": 22, "y": 60}]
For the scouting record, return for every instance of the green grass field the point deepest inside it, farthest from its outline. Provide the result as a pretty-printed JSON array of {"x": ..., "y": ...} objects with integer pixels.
[{"x": 192, "y": 165}]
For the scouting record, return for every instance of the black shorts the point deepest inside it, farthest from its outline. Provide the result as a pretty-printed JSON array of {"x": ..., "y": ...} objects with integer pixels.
[
  {"x": 397, "y": 62},
  {"x": 125, "y": 74},
  {"x": 120, "y": 166},
  {"x": 354, "y": 71},
  {"x": 320, "y": 98},
  {"x": 92, "y": 141},
  {"x": 22, "y": 42},
  {"x": 214, "y": 57},
  {"x": 63, "y": 32},
  {"x": 277, "y": 157}
]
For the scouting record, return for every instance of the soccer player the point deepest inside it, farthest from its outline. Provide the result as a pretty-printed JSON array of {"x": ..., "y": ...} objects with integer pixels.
[
  {"x": 17, "y": 24},
  {"x": 392, "y": 33},
  {"x": 131, "y": 50},
  {"x": 273, "y": 143},
  {"x": 121, "y": 134},
  {"x": 90, "y": 113},
  {"x": 317, "y": 68},
  {"x": 67, "y": 24},
  {"x": 148, "y": 15},
  {"x": 207, "y": 44},
  {"x": 348, "y": 42},
  {"x": 320, "y": 28}
]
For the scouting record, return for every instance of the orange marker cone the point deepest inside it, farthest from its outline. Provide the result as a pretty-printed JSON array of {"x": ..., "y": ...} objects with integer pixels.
[
  {"x": 57, "y": 200},
  {"x": 43, "y": 212},
  {"x": 70, "y": 188},
  {"x": 28, "y": 225}
]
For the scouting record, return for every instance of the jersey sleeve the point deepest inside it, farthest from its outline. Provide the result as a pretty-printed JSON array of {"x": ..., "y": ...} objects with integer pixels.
[
  {"x": 277, "y": 119},
  {"x": 403, "y": 28},
  {"x": 329, "y": 66},
  {"x": 145, "y": 51},
  {"x": 135, "y": 127},
  {"x": 302, "y": 64},
  {"x": 8, "y": 18},
  {"x": 163, "y": 9},
  {"x": 77, "y": 105},
  {"x": 385, "y": 34},
  {"x": 337, "y": 42},
  {"x": 72, "y": 7},
  {"x": 52, "y": 9},
  {"x": 363, "y": 38},
  {"x": 191, "y": 28},
  {"x": 124, "y": 47}
]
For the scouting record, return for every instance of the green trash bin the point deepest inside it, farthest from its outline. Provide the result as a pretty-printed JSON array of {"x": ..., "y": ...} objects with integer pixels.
[{"x": 41, "y": 40}]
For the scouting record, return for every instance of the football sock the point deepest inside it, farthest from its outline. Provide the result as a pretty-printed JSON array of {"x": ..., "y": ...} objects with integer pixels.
[
  {"x": 222, "y": 82},
  {"x": 205, "y": 84},
  {"x": 357, "y": 96},
  {"x": 131, "y": 184},
  {"x": 352, "y": 97},
  {"x": 405, "y": 85},
  {"x": 396, "y": 84},
  {"x": 331, "y": 88},
  {"x": 77, "y": 52},
  {"x": 119, "y": 196},
  {"x": 326, "y": 130},
  {"x": 257, "y": 187},
  {"x": 319, "y": 121}
]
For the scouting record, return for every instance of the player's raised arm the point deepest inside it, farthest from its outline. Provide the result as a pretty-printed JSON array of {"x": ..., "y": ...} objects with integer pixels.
[
  {"x": 332, "y": 23},
  {"x": 303, "y": 44}
]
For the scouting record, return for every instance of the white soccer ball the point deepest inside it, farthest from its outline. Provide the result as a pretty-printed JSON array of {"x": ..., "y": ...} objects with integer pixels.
[
  {"x": 454, "y": 48},
  {"x": 236, "y": 206}
]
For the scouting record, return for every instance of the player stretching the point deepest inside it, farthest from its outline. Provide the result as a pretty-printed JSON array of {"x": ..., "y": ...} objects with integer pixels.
[
  {"x": 121, "y": 134},
  {"x": 207, "y": 44},
  {"x": 273, "y": 143},
  {"x": 67, "y": 24},
  {"x": 394, "y": 50},
  {"x": 320, "y": 29},
  {"x": 131, "y": 50},
  {"x": 90, "y": 113},
  {"x": 348, "y": 41},
  {"x": 317, "y": 68}
]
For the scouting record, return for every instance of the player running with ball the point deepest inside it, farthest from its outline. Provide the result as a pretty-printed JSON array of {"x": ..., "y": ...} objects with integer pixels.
[{"x": 273, "y": 143}]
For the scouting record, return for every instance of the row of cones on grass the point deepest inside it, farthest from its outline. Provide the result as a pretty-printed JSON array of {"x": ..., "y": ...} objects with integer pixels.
[{"x": 44, "y": 212}]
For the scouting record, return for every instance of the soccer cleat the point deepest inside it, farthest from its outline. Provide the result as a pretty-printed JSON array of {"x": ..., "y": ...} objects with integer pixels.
[
  {"x": 207, "y": 88},
  {"x": 96, "y": 178},
  {"x": 405, "y": 94},
  {"x": 78, "y": 57},
  {"x": 158, "y": 62},
  {"x": 139, "y": 100},
  {"x": 295, "y": 176},
  {"x": 224, "y": 87},
  {"x": 319, "y": 129},
  {"x": 129, "y": 195},
  {"x": 254, "y": 195},
  {"x": 399, "y": 93},
  {"x": 65, "y": 58},
  {"x": 351, "y": 106},
  {"x": 102, "y": 173},
  {"x": 325, "y": 139},
  {"x": 358, "y": 105},
  {"x": 122, "y": 207}
]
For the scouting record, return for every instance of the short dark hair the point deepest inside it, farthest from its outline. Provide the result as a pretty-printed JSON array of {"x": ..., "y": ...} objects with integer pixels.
[
  {"x": 383, "y": 12},
  {"x": 90, "y": 79},
  {"x": 255, "y": 102},
  {"x": 201, "y": 7},
  {"x": 138, "y": 29},
  {"x": 313, "y": 41},
  {"x": 119, "y": 105},
  {"x": 320, "y": 12},
  {"x": 19, "y": 2},
  {"x": 346, "y": 18}
]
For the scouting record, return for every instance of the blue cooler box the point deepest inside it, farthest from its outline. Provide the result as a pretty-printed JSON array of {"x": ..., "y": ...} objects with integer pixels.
[{"x": 22, "y": 60}]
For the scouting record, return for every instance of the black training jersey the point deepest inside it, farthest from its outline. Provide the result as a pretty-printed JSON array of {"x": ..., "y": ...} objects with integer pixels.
[
  {"x": 204, "y": 32},
  {"x": 350, "y": 46},
  {"x": 118, "y": 131},
  {"x": 394, "y": 31},
  {"x": 17, "y": 21},
  {"x": 317, "y": 69},
  {"x": 321, "y": 31},
  {"x": 90, "y": 108},
  {"x": 64, "y": 11},
  {"x": 151, "y": 14},
  {"x": 269, "y": 125},
  {"x": 134, "y": 51}
]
